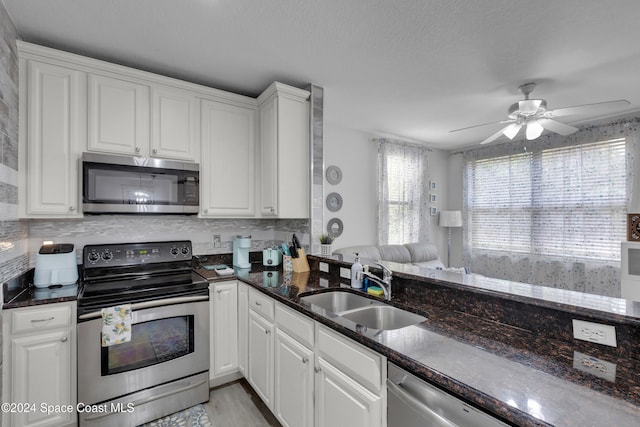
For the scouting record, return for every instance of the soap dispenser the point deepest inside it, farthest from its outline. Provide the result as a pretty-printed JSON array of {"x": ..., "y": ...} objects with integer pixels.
[{"x": 356, "y": 273}]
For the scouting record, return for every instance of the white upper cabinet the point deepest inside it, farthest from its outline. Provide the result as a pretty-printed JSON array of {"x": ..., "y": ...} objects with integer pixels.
[
  {"x": 284, "y": 152},
  {"x": 227, "y": 172},
  {"x": 175, "y": 118},
  {"x": 118, "y": 116},
  {"x": 51, "y": 131}
]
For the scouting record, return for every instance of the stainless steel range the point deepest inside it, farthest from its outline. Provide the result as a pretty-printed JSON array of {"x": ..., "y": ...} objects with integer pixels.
[{"x": 164, "y": 366}]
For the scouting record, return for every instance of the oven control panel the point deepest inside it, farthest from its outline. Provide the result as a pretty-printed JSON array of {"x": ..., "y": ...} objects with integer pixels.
[{"x": 125, "y": 254}]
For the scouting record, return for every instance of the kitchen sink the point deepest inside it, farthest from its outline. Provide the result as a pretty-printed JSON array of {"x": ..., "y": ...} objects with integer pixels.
[
  {"x": 384, "y": 317},
  {"x": 338, "y": 302},
  {"x": 362, "y": 310}
]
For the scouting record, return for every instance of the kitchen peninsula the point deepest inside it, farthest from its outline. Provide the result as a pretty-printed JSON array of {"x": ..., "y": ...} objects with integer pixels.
[{"x": 505, "y": 347}]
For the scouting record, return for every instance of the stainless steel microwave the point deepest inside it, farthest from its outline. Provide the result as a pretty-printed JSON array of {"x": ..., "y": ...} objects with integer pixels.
[{"x": 122, "y": 184}]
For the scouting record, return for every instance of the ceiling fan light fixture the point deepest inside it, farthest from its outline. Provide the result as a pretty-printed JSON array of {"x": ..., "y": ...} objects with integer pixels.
[
  {"x": 534, "y": 130},
  {"x": 512, "y": 130},
  {"x": 529, "y": 107}
]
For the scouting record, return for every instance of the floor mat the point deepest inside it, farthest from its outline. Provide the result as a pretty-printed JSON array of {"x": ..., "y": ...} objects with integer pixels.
[{"x": 196, "y": 416}]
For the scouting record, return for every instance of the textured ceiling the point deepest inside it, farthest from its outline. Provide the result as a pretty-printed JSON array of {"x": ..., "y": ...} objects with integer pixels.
[{"x": 412, "y": 69}]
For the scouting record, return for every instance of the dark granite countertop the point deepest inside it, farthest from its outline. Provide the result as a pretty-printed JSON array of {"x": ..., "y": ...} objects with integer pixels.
[
  {"x": 20, "y": 292},
  {"x": 519, "y": 376}
]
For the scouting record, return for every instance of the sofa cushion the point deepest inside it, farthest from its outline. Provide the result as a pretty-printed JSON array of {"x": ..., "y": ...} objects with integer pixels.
[
  {"x": 370, "y": 252},
  {"x": 421, "y": 252},
  {"x": 395, "y": 253}
]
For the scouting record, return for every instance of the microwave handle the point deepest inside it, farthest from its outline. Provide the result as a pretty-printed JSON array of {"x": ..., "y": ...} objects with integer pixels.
[{"x": 150, "y": 304}]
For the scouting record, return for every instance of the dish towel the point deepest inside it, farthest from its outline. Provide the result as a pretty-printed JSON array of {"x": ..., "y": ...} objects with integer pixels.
[{"x": 116, "y": 325}]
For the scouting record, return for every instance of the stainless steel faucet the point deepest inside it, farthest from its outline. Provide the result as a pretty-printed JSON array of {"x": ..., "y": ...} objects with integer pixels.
[{"x": 384, "y": 283}]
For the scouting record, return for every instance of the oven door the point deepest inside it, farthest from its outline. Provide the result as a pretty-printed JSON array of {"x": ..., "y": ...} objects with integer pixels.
[{"x": 170, "y": 340}]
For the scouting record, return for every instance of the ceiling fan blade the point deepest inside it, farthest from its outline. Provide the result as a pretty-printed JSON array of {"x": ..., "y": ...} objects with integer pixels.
[
  {"x": 484, "y": 124},
  {"x": 494, "y": 136},
  {"x": 588, "y": 109},
  {"x": 557, "y": 127}
]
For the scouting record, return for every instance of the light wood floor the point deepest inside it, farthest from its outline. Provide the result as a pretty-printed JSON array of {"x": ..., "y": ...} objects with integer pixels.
[{"x": 236, "y": 404}]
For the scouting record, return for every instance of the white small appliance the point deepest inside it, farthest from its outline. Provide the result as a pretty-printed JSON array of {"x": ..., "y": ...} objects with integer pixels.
[
  {"x": 55, "y": 265},
  {"x": 271, "y": 257},
  {"x": 241, "y": 246}
]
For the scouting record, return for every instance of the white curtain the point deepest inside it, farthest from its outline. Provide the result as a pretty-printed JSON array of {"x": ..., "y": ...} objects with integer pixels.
[
  {"x": 403, "y": 209},
  {"x": 552, "y": 211}
]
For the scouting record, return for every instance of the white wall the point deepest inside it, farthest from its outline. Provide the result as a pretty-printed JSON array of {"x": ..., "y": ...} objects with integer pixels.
[{"x": 356, "y": 155}]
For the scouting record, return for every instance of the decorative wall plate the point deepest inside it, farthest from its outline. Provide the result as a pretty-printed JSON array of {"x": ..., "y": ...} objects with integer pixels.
[
  {"x": 334, "y": 227},
  {"x": 334, "y": 175},
  {"x": 334, "y": 202}
]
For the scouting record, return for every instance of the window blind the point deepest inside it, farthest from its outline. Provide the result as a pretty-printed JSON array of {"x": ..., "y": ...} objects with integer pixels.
[{"x": 560, "y": 202}]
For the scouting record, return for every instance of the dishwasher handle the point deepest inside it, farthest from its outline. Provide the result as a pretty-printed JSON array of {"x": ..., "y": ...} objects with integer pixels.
[{"x": 412, "y": 401}]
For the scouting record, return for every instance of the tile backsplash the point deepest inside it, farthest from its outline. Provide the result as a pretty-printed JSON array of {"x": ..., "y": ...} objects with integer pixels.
[{"x": 97, "y": 229}]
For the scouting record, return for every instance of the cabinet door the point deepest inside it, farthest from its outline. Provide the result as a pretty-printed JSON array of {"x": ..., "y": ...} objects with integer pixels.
[
  {"x": 293, "y": 382},
  {"x": 56, "y": 100},
  {"x": 118, "y": 114},
  {"x": 174, "y": 124},
  {"x": 41, "y": 373},
  {"x": 269, "y": 158},
  {"x": 224, "y": 343},
  {"x": 284, "y": 152},
  {"x": 261, "y": 357},
  {"x": 243, "y": 327},
  {"x": 228, "y": 160},
  {"x": 340, "y": 401}
]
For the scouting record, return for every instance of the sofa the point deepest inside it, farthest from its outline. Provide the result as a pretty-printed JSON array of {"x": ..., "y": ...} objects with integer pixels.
[{"x": 419, "y": 254}]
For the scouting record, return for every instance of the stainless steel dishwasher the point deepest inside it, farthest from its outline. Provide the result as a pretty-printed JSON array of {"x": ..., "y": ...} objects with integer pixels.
[{"x": 412, "y": 402}]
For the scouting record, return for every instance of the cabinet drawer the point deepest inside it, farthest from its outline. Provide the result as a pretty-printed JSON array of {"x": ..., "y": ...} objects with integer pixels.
[
  {"x": 261, "y": 304},
  {"x": 295, "y": 324},
  {"x": 42, "y": 318},
  {"x": 357, "y": 361}
]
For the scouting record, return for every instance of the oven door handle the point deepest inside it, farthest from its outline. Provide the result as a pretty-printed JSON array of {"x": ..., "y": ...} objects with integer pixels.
[{"x": 150, "y": 304}]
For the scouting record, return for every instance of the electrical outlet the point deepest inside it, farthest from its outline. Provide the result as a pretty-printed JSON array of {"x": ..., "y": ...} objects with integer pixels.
[
  {"x": 324, "y": 267},
  {"x": 345, "y": 273},
  {"x": 594, "y": 332},
  {"x": 594, "y": 366},
  {"x": 217, "y": 241}
]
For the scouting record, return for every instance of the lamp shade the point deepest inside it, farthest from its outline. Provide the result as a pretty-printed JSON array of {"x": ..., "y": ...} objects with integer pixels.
[{"x": 450, "y": 219}]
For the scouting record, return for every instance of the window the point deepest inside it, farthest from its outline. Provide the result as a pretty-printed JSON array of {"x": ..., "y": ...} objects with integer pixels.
[
  {"x": 556, "y": 202},
  {"x": 402, "y": 209}
]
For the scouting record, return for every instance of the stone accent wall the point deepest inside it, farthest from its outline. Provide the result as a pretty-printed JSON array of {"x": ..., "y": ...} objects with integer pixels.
[{"x": 13, "y": 232}]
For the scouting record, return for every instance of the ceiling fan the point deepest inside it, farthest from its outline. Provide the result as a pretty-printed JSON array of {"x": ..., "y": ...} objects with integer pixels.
[{"x": 532, "y": 114}]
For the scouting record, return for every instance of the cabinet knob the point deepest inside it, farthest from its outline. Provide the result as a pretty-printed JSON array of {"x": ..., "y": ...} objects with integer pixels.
[
  {"x": 137, "y": 149},
  {"x": 273, "y": 210},
  {"x": 267, "y": 332},
  {"x": 317, "y": 370},
  {"x": 154, "y": 151},
  {"x": 206, "y": 210},
  {"x": 258, "y": 304},
  {"x": 63, "y": 339},
  {"x": 71, "y": 208},
  {"x": 219, "y": 291},
  {"x": 305, "y": 359}
]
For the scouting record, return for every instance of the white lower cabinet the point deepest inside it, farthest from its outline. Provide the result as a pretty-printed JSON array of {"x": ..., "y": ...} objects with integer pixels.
[
  {"x": 261, "y": 357},
  {"x": 40, "y": 365},
  {"x": 310, "y": 375},
  {"x": 224, "y": 329},
  {"x": 294, "y": 374},
  {"x": 341, "y": 401},
  {"x": 243, "y": 327}
]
